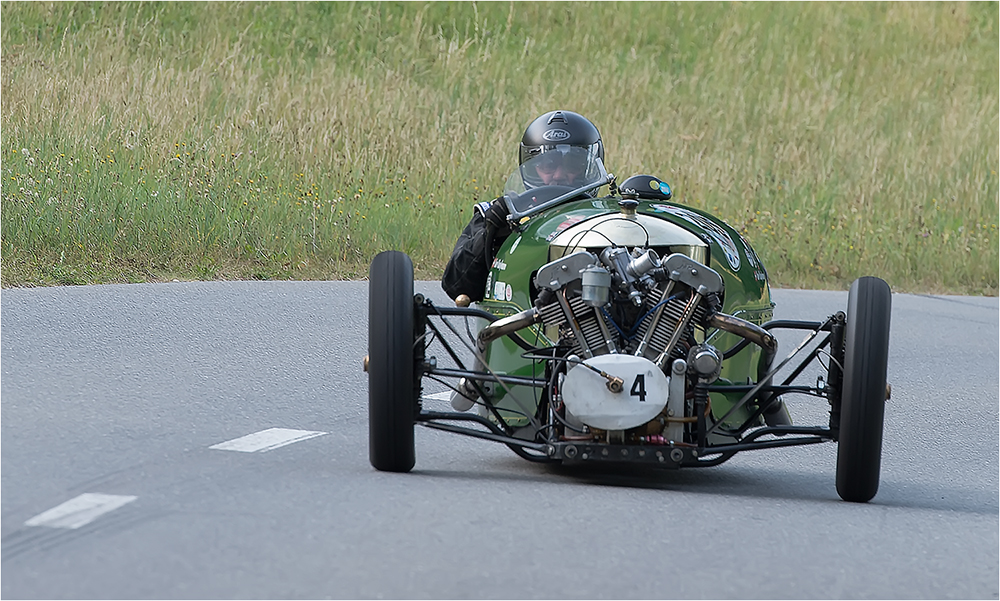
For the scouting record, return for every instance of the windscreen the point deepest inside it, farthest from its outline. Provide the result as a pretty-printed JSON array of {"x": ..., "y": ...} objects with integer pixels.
[{"x": 553, "y": 173}]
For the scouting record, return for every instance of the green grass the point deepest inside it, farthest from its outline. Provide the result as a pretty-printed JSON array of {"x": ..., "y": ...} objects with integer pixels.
[{"x": 152, "y": 141}]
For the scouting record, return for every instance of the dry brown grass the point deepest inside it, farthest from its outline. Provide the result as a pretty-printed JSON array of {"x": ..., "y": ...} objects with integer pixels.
[{"x": 299, "y": 140}]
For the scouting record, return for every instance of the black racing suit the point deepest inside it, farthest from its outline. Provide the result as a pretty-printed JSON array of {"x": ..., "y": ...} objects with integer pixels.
[{"x": 470, "y": 261}]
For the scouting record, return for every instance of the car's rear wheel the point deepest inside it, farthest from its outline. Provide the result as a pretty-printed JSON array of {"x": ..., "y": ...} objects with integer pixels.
[
  {"x": 392, "y": 391},
  {"x": 863, "y": 396}
]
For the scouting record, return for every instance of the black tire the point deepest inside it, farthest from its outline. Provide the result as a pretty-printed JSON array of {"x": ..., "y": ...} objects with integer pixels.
[
  {"x": 392, "y": 396},
  {"x": 862, "y": 409}
]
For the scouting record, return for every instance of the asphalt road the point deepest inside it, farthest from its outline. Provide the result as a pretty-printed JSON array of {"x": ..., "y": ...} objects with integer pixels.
[{"x": 113, "y": 398}]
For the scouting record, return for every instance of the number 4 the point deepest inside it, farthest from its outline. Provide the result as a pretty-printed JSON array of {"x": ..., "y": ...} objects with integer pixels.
[{"x": 639, "y": 387}]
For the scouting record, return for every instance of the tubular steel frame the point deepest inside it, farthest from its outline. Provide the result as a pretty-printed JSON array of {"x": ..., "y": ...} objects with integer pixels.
[{"x": 671, "y": 454}]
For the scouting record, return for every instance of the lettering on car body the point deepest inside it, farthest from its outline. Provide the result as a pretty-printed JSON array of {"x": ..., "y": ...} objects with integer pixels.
[{"x": 718, "y": 234}]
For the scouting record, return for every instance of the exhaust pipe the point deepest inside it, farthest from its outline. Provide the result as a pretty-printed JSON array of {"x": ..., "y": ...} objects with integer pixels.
[
  {"x": 512, "y": 323},
  {"x": 744, "y": 328}
]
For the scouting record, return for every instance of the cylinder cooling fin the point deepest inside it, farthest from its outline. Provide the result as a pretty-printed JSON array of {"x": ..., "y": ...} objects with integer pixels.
[{"x": 653, "y": 305}]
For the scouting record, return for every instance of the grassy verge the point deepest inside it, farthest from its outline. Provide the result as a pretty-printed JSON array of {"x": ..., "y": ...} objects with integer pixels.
[{"x": 142, "y": 142}]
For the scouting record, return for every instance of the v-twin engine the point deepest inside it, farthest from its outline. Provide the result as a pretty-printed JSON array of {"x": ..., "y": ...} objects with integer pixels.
[{"x": 627, "y": 303}]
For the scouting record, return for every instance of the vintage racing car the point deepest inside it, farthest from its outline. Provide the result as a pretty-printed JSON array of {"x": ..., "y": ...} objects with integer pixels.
[{"x": 622, "y": 328}]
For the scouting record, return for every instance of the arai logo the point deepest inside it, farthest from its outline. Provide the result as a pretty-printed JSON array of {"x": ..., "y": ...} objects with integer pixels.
[{"x": 556, "y": 135}]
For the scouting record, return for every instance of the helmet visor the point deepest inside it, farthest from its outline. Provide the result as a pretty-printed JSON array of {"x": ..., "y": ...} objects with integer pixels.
[
  {"x": 561, "y": 165},
  {"x": 548, "y": 177}
]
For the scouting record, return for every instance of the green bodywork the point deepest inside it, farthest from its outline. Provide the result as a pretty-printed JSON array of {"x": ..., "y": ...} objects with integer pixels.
[{"x": 747, "y": 294}]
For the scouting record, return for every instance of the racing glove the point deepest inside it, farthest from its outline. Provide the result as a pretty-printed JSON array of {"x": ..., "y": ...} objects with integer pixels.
[{"x": 495, "y": 214}]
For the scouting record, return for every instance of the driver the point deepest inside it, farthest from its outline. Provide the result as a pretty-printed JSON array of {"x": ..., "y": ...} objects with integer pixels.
[{"x": 570, "y": 146}]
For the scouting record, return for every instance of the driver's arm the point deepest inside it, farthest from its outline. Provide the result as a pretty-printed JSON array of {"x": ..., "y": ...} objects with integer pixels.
[{"x": 470, "y": 261}]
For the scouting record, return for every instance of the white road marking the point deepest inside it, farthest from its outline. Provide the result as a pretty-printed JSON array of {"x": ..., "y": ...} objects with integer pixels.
[
  {"x": 265, "y": 440},
  {"x": 439, "y": 396},
  {"x": 79, "y": 511}
]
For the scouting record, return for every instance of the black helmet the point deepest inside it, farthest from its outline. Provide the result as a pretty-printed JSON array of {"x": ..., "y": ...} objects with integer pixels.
[
  {"x": 569, "y": 136},
  {"x": 559, "y": 127}
]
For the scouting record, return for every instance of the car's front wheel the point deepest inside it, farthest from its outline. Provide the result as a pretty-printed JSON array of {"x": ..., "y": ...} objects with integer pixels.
[
  {"x": 392, "y": 393},
  {"x": 863, "y": 396}
]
